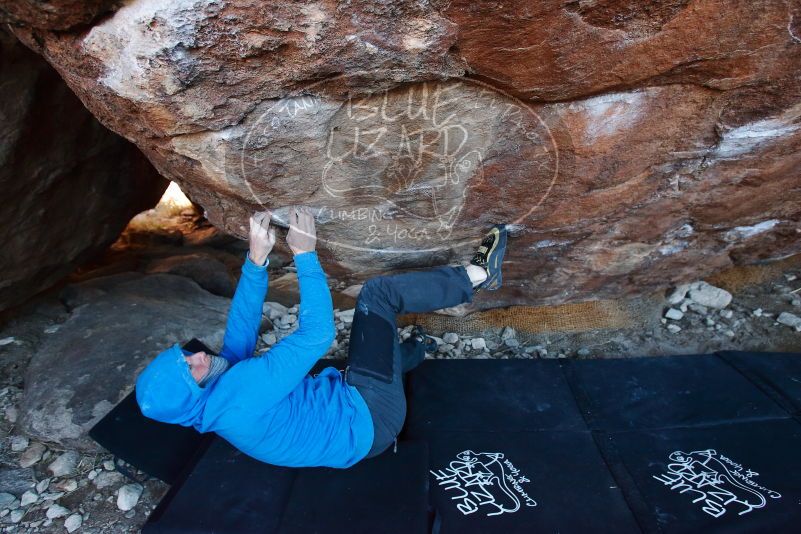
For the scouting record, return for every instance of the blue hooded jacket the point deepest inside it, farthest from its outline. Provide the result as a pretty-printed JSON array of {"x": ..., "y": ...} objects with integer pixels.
[{"x": 268, "y": 406}]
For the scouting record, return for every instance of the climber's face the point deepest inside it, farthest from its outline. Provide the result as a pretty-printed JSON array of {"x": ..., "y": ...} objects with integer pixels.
[{"x": 198, "y": 364}]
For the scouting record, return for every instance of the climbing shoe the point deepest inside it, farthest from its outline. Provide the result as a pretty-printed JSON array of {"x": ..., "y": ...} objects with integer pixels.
[
  {"x": 489, "y": 256},
  {"x": 429, "y": 343}
]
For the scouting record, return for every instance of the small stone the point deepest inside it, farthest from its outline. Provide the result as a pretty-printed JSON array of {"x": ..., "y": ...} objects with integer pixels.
[
  {"x": 66, "y": 486},
  {"x": 795, "y": 302},
  {"x": 105, "y": 479},
  {"x": 561, "y": 355},
  {"x": 788, "y": 319},
  {"x": 4, "y": 512},
  {"x": 511, "y": 342},
  {"x": 32, "y": 454},
  {"x": 530, "y": 349},
  {"x": 97, "y": 497},
  {"x": 42, "y": 485},
  {"x": 6, "y": 341},
  {"x": 445, "y": 347},
  {"x": 674, "y": 328},
  {"x": 29, "y": 497},
  {"x": 274, "y": 310},
  {"x": 128, "y": 495},
  {"x": 790, "y": 277},
  {"x": 129, "y": 514},
  {"x": 478, "y": 343},
  {"x": 450, "y": 337},
  {"x": 269, "y": 338},
  {"x": 6, "y": 499},
  {"x": 677, "y": 294},
  {"x": 108, "y": 465},
  {"x": 698, "y": 308},
  {"x": 663, "y": 320},
  {"x": 674, "y": 314},
  {"x": 726, "y": 314},
  {"x": 710, "y": 296},
  {"x": 65, "y": 464},
  {"x": 684, "y": 304},
  {"x": 16, "y": 515},
  {"x": 709, "y": 321},
  {"x": 52, "y": 329},
  {"x": 19, "y": 443},
  {"x": 583, "y": 352},
  {"x": 92, "y": 474},
  {"x": 728, "y": 333},
  {"x": 73, "y": 522},
  {"x": 757, "y": 312},
  {"x": 55, "y": 511},
  {"x": 11, "y": 414},
  {"x": 508, "y": 332}
]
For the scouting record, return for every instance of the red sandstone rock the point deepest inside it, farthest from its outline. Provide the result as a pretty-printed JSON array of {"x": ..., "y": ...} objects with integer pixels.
[
  {"x": 632, "y": 145},
  {"x": 69, "y": 185}
]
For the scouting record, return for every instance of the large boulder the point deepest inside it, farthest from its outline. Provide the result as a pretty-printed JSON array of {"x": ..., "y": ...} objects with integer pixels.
[
  {"x": 630, "y": 145},
  {"x": 69, "y": 185},
  {"x": 117, "y": 324}
]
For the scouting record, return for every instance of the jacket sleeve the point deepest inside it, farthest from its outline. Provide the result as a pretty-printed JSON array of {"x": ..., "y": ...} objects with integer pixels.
[
  {"x": 244, "y": 317},
  {"x": 277, "y": 372}
]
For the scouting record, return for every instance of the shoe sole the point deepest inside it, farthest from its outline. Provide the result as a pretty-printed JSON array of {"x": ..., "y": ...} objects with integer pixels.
[{"x": 495, "y": 259}]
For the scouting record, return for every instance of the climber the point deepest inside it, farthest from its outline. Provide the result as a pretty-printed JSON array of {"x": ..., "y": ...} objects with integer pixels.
[{"x": 267, "y": 405}]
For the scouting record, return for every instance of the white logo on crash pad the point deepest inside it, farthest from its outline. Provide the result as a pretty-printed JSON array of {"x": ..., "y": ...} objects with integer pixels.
[
  {"x": 715, "y": 482},
  {"x": 486, "y": 482}
]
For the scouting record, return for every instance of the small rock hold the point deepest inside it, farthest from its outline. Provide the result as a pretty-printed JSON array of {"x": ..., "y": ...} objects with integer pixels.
[
  {"x": 674, "y": 328},
  {"x": 73, "y": 522},
  {"x": 674, "y": 314},
  {"x": 128, "y": 495},
  {"x": 56, "y": 511}
]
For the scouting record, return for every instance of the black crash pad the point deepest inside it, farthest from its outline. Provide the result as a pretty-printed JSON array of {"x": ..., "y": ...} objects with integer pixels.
[
  {"x": 570, "y": 446},
  {"x": 666, "y": 391},
  {"x": 522, "y": 482},
  {"x": 159, "y": 449},
  {"x": 229, "y": 492},
  {"x": 776, "y": 374},
  {"x": 733, "y": 477}
]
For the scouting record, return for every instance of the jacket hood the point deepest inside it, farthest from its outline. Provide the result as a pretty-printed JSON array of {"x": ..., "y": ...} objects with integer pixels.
[{"x": 167, "y": 392}]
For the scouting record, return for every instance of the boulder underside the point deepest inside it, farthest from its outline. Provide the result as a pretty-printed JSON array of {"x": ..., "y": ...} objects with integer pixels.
[{"x": 629, "y": 146}]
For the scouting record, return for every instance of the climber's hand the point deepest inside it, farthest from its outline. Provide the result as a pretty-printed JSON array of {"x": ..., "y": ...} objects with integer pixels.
[
  {"x": 262, "y": 237},
  {"x": 302, "y": 236}
]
